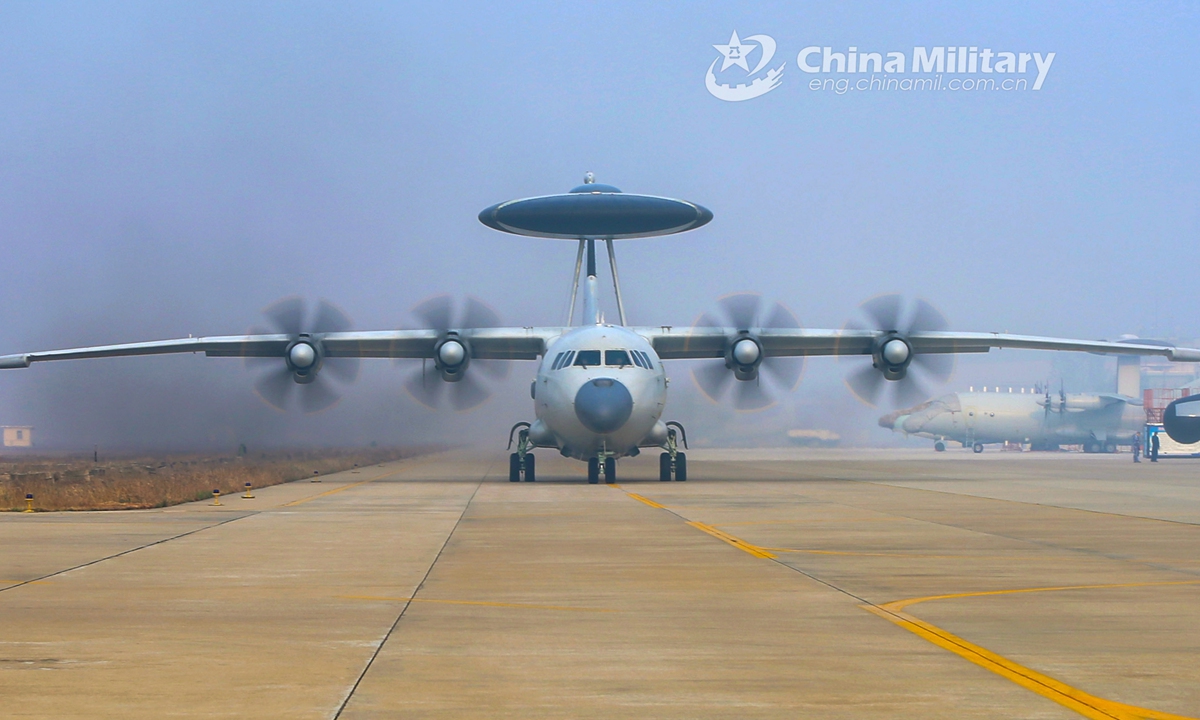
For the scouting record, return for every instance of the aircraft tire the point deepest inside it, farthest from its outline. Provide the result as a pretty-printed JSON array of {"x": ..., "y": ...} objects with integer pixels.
[
  {"x": 610, "y": 471},
  {"x": 593, "y": 471},
  {"x": 680, "y": 467},
  {"x": 977, "y": 447},
  {"x": 939, "y": 446},
  {"x": 530, "y": 472},
  {"x": 514, "y": 468},
  {"x": 664, "y": 467}
]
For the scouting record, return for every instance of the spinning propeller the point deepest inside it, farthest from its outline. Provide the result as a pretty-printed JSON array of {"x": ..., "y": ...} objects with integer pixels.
[
  {"x": 304, "y": 359},
  {"x": 745, "y": 361},
  {"x": 892, "y": 359},
  {"x": 449, "y": 379}
]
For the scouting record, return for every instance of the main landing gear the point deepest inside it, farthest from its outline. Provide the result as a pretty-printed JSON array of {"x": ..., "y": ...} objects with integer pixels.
[
  {"x": 673, "y": 462},
  {"x": 522, "y": 462}
]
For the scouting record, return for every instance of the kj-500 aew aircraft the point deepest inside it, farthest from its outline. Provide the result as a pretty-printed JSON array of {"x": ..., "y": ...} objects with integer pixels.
[{"x": 601, "y": 388}]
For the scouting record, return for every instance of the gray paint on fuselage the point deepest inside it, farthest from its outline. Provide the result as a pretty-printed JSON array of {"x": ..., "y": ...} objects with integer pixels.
[{"x": 1015, "y": 417}]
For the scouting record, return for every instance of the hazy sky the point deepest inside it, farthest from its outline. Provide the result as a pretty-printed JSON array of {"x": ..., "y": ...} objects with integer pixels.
[{"x": 171, "y": 168}]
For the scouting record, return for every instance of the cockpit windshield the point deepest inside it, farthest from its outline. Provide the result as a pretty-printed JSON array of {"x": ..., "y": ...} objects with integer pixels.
[
  {"x": 587, "y": 358},
  {"x": 619, "y": 358}
]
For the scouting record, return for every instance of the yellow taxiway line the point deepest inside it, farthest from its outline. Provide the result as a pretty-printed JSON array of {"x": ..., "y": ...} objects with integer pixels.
[
  {"x": 1085, "y": 704},
  {"x": 1081, "y": 702}
]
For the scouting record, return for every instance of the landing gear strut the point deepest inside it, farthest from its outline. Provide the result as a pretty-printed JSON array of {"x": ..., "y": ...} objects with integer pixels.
[
  {"x": 673, "y": 462},
  {"x": 522, "y": 462}
]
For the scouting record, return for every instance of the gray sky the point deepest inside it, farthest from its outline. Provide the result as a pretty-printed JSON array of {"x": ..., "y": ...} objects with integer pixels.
[{"x": 170, "y": 168}]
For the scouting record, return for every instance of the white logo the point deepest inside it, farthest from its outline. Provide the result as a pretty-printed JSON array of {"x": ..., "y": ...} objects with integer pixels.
[{"x": 736, "y": 53}]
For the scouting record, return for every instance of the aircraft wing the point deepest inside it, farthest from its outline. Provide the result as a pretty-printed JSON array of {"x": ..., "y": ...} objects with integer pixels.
[
  {"x": 712, "y": 342},
  {"x": 521, "y": 343}
]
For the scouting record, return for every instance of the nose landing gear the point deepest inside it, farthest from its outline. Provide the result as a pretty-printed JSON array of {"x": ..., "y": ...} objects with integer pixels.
[
  {"x": 522, "y": 462},
  {"x": 608, "y": 466},
  {"x": 673, "y": 462}
]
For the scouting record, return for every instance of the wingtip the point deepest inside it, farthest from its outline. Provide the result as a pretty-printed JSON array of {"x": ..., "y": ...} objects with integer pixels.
[{"x": 12, "y": 362}]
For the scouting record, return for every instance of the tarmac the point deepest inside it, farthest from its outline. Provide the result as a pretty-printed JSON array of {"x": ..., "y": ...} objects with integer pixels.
[{"x": 772, "y": 584}]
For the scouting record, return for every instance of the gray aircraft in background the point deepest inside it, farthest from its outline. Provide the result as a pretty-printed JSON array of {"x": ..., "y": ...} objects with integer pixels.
[{"x": 1045, "y": 420}]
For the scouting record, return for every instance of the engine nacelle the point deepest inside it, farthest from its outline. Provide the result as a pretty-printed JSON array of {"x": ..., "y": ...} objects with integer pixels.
[
  {"x": 891, "y": 354},
  {"x": 743, "y": 356},
  {"x": 1181, "y": 420},
  {"x": 451, "y": 356},
  {"x": 304, "y": 357}
]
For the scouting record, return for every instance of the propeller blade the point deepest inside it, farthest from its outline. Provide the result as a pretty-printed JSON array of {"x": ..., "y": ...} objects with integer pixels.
[
  {"x": 426, "y": 388},
  {"x": 867, "y": 384},
  {"x": 317, "y": 396},
  {"x": 782, "y": 317},
  {"x": 926, "y": 318},
  {"x": 910, "y": 391},
  {"x": 938, "y": 366},
  {"x": 785, "y": 371},
  {"x": 276, "y": 387},
  {"x": 707, "y": 321},
  {"x": 344, "y": 369},
  {"x": 435, "y": 312},
  {"x": 741, "y": 310},
  {"x": 330, "y": 319},
  {"x": 479, "y": 315},
  {"x": 712, "y": 378},
  {"x": 287, "y": 315},
  {"x": 749, "y": 395},
  {"x": 494, "y": 369},
  {"x": 467, "y": 393},
  {"x": 884, "y": 311}
]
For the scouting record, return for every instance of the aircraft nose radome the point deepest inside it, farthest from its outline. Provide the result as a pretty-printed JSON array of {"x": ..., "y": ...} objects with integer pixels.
[{"x": 603, "y": 405}]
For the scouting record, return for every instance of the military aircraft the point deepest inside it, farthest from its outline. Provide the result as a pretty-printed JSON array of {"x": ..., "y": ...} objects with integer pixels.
[
  {"x": 1097, "y": 421},
  {"x": 601, "y": 387}
]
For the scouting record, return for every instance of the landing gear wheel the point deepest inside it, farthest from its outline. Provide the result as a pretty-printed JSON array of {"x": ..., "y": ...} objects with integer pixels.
[
  {"x": 939, "y": 446},
  {"x": 593, "y": 471},
  {"x": 610, "y": 471},
  {"x": 664, "y": 467},
  {"x": 1091, "y": 447},
  {"x": 680, "y": 467},
  {"x": 1110, "y": 448},
  {"x": 977, "y": 447},
  {"x": 530, "y": 474},
  {"x": 514, "y": 468}
]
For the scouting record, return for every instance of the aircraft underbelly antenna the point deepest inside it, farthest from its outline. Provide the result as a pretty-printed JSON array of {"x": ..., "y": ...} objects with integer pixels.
[{"x": 591, "y": 212}]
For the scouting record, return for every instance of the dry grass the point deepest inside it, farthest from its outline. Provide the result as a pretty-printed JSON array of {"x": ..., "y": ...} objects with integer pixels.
[{"x": 133, "y": 483}]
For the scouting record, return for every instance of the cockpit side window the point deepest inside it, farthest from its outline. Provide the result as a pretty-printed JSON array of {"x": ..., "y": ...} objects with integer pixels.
[
  {"x": 587, "y": 358},
  {"x": 620, "y": 358},
  {"x": 637, "y": 358},
  {"x": 566, "y": 360},
  {"x": 649, "y": 362},
  {"x": 557, "y": 361}
]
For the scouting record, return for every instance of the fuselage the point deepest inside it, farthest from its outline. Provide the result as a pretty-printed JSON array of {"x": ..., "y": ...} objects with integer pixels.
[
  {"x": 971, "y": 418},
  {"x": 600, "y": 389}
]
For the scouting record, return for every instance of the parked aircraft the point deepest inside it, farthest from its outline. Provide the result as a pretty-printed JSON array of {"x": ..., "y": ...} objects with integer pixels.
[
  {"x": 1045, "y": 420},
  {"x": 601, "y": 387}
]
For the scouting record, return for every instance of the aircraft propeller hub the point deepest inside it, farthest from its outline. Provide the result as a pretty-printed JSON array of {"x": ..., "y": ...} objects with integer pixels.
[
  {"x": 746, "y": 352},
  {"x": 895, "y": 351},
  {"x": 302, "y": 356},
  {"x": 452, "y": 353}
]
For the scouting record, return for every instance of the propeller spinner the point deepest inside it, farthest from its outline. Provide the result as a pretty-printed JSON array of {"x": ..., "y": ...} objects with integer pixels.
[{"x": 745, "y": 360}]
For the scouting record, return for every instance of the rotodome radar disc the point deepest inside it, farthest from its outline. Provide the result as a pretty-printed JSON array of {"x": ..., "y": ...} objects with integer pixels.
[{"x": 597, "y": 211}]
